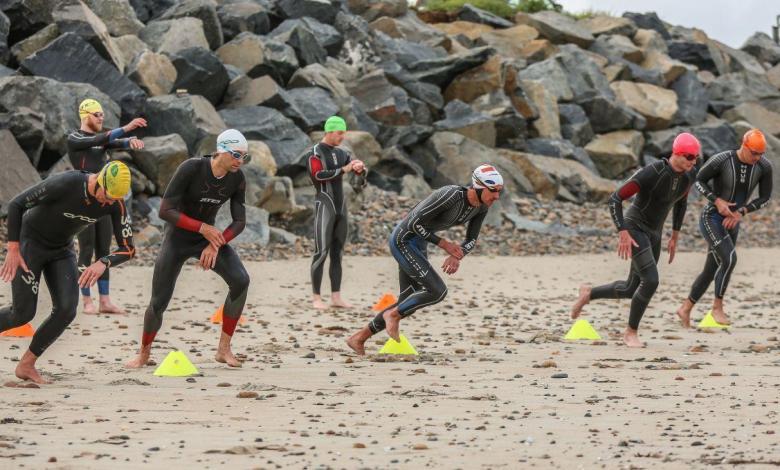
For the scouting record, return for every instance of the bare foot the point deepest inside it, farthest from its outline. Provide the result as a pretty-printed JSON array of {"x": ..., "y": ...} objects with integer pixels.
[
  {"x": 631, "y": 339},
  {"x": 357, "y": 342},
  {"x": 227, "y": 357},
  {"x": 720, "y": 316},
  {"x": 339, "y": 303},
  {"x": 582, "y": 300},
  {"x": 89, "y": 306},
  {"x": 108, "y": 307},
  {"x": 28, "y": 372},
  {"x": 318, "y": 303},
  {"x": 392, "y": 323},
  {"x": 142, "y": 359},
  {"x": 684, "y": 313}
]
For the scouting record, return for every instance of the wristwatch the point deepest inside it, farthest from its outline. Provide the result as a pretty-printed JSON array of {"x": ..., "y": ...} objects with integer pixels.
[{"x": 106, "y": 260}]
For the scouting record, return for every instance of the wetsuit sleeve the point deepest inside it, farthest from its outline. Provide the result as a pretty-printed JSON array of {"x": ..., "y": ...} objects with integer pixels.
[
  {"x": 119, "y": 143},
  {"x": 628, "y": 189},
  {"x": 318, "y": 173},
  {"x": 678, "y": 212},
  {"x": 764, "y": 190},
  {"x": 169, "y": 207},
  {"x": 123, "y": 233},
  {"x": 432, "y": 206},
  {"x": 50, "y": 189},
  {"x": 472, "y": 232},
  {"x": 238, "y": 212},
  {"x": 706, "y": 173},
  {"x": 77, "y": 141}
]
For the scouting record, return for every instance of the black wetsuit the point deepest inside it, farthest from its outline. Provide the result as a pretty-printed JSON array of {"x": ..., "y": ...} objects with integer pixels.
[
  {"x": 193, "y": 197},
  {"x": 54, "y": 211},
  {"x": 331, "y": 219},
  {"x": 87, "y": 152},
  {"x": 725, "y": 176},
  {"x": 420, "y": 285},
  {"x": 658, "y": 189}
]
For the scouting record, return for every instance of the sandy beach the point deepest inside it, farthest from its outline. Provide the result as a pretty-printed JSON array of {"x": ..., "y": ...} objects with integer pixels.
[{"x": 481, "y": 394}]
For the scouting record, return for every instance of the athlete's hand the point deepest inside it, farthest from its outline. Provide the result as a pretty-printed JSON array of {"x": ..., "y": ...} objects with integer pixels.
[
  {"x": 731, "y": 221},
  {"x": 208, "y": 257},
  {"x": 212, "y": 234},
  {"x": 134, "y": 124},
  {"x": 625, "y": 243},
  {"x": 136, "y": 144},
  {"x": 91, "y": 275},
  {"x": 13, "y": 261},
  {"x": 358, "y": 166},
  {"x": 724, "y": 207},
  {"x": 672, "y": 246},
  {"x": 453, "y": 249},
  {"x": 451, "y": 265}
]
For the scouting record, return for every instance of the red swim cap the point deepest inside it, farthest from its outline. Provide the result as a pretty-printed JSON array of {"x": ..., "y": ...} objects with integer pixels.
[{"x": 686, "y": 144}]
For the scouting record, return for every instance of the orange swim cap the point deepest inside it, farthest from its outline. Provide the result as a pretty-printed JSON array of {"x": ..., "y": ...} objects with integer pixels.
[{"x": 754, "y": 140}]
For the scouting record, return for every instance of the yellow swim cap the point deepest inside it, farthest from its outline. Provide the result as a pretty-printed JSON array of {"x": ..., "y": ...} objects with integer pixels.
[
  {"x": 89, "y": 106},
  {"x": 115, "y": 179}
]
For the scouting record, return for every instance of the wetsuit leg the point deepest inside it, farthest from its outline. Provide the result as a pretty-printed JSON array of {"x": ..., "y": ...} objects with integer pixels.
[
  {"x": 340, "y": 229},
  {"x": 232, "y": 271},
  {"x": 721, "y": 255},
  {"x": 166, "y": 272},
  {"x": 61, "y": 276},
  {"x": 407, "y": 287},
  {"x": 642, "y": 279},
  {"x": 324, "y": 218},
  {"x": 86, "y": 251},
  {"x": 726, "y": 255},
  {"x": 103, "y": 234},
  {"x": 24, "y": 287}
]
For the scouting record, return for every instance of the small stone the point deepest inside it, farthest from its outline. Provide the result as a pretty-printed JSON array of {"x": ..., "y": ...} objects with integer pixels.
[
  {"x": 52, "y": 459},
  {"x": 332, "y": 374},
  {"x": 561, "y": 375},
  {"x": 679, "y": 378},
  {"x": 247, "y": 394},
  {"x": 420, "y": 447},
  {"x": 309, "y": 356},
  {"x": 191, "y": 380},
  {"x": 223, "y": 384},
  {"x": 359, "y": 445}
]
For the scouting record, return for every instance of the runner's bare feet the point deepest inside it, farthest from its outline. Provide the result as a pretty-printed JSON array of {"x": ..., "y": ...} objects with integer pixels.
[
  {"x": 89, "y": 306},
  {"x": 142, "y": 359},
  {"x": 338, "y": 302},
  {"x": 317, "y": 303},
  {"x": 392, "y": 323},
  {"x": 25, "y": 370},
  {"x": 684, "y": 313},
  {"x": 107, "y": 307},
  {"x": 720, "y": 316},
  {"x": 357, "y": 342},
  {"x": 631, "y": 339},
  {"x": 582, "y": 300},
  {"x": 227, "y": 357}
]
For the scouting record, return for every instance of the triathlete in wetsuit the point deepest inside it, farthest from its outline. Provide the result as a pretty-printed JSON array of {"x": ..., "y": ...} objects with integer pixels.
[
  {"x": 87, "y": 148},
  {"x": 420, "y": 285},
  {"x": 327, "y": 165},
  {"x": 198, "y": 189},
  {"x": 727, "y": 180},
  {"x": 659, "y": 187},
  {"x": 42, "y": 222}
]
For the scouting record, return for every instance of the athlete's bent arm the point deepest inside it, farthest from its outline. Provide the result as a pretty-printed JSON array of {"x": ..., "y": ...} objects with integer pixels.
[
  {"x": 707, "y": 172},
  {"x": 472, "y": 233},
  {"x": 237, "y": 212},
  {"x": 318, "y": 173},
  {"x": 77, "y": 141},
  {"x": 169, "y": 207},
  {"x": 123, "y": 233},
  {"x": 764, "y": 191}
]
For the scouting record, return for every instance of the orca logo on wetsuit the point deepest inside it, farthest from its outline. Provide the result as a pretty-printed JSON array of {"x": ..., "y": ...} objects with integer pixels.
[{"x": 80, "y": 217}]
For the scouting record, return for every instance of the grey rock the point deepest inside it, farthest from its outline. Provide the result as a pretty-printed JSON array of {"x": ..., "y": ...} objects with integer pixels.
[
  {"x": 606, "y": 114},
  {"x": 328, "y": 37},
  {"x": 191, "y": 116},
  {"x": 200, "y": 72},
  {"x": 443, "y": 70},
  {"x": 147, "y": 10},
  {"x": 6, "y": 72},
  {"x": 130, "y": 46},
  {"x": 323, "y": 11},
  {"x": 28, "y": 129},
  {"x": 22, "y": 49},
  {"x": 715, "y": 136},
  {"x": 407, "y": 53},
  {"x": 552, "y": 75},
  {"x": 605, "y": 24},
  {"x": 425, "y": 92},
  {"x": 171, "y": 36},
  {"x": 309, "y": 107},
  {"x": 160, "y": 158},
  {"x": 575, "y": 125},
  {"x": 730, "y": 89},
  {"x": 285, "y": 140},
  {"x": 26, "y": 17},
  {"x": 307, "y": 45},
  {"x": 648, "y": 21},
  {"x": 404, "y": 136},
  {"x": 278, "y": 196},
  {"x": 414, "y": 187},
  {"x": 583, "y": 74},
  {"x": 205, "y": 11},
  {"x": 282, "y": 237},
  {"x": 511, "y": 126},
  {"x": 153, "y": 72},
  {"x": 360, "y": 120},
  {"x": 611, "y": 46},
  {"x": 281, "y": 61},
  {"x": 373, "y": 9},
  {"x": 382, "y": 101},
  {"x": 240, "y": 17},
  {"x": 692, "y": 100},
  {"x": 73, "y": 16},
  {"x": 463, "y": 119},
  {"x": 694, "y": 53},
  {"x": 763, "y": 48},
  {"x": 557, "y": 27},
  {"x": 118, "y": 15},
  {"x": 54, "y": 61},
  {"x": 475, "y": 15},
  {"x": 18, "y": 174},
  {"x": 256, "y": 232},
  {"x": 636, "y": 73},
  {"x": 560, "y": 148},
  {"x": 5, "y": 28}
]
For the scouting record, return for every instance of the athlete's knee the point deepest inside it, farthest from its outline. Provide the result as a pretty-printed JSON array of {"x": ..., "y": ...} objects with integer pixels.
[
  {"x": 65, "y": 308},
  {"x": 240, "y": 282},
  {"x": 438, "y": 291},
  {"x": 650, "y": 282}
]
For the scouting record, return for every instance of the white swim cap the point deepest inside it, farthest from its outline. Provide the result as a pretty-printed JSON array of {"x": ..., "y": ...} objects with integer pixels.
[
  {"x": 486, "y": 176},
  {"x": 232, "y": 141}
]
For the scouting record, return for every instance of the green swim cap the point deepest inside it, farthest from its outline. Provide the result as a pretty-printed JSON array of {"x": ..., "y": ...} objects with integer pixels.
[{"x": 335, "y": 123}]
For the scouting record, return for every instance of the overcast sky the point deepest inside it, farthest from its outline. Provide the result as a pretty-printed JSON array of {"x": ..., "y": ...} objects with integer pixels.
[{"x": 728, "y": 21}]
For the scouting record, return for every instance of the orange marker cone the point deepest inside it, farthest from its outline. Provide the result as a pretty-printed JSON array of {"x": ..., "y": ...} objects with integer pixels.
[
  {"x": 24, "y": 331},
  {"x": 385, "y": 301},
  {"x": 217, "y": 317}
]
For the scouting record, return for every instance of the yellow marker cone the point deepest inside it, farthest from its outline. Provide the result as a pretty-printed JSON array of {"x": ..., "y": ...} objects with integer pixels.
[
  {"x": 24, "y": 331},
  {"x": 709, "y": 322},
  {"x": 394, "y": 347},
  {"x": 217, "y": 317},
  {"x": 581, "y": 329},
  {"x": 385, "y": 301},
  {"x": 176, "y": 364}
]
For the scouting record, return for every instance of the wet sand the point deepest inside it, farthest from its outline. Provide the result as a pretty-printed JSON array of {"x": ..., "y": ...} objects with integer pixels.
[{"x": 480, "y": 395}]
